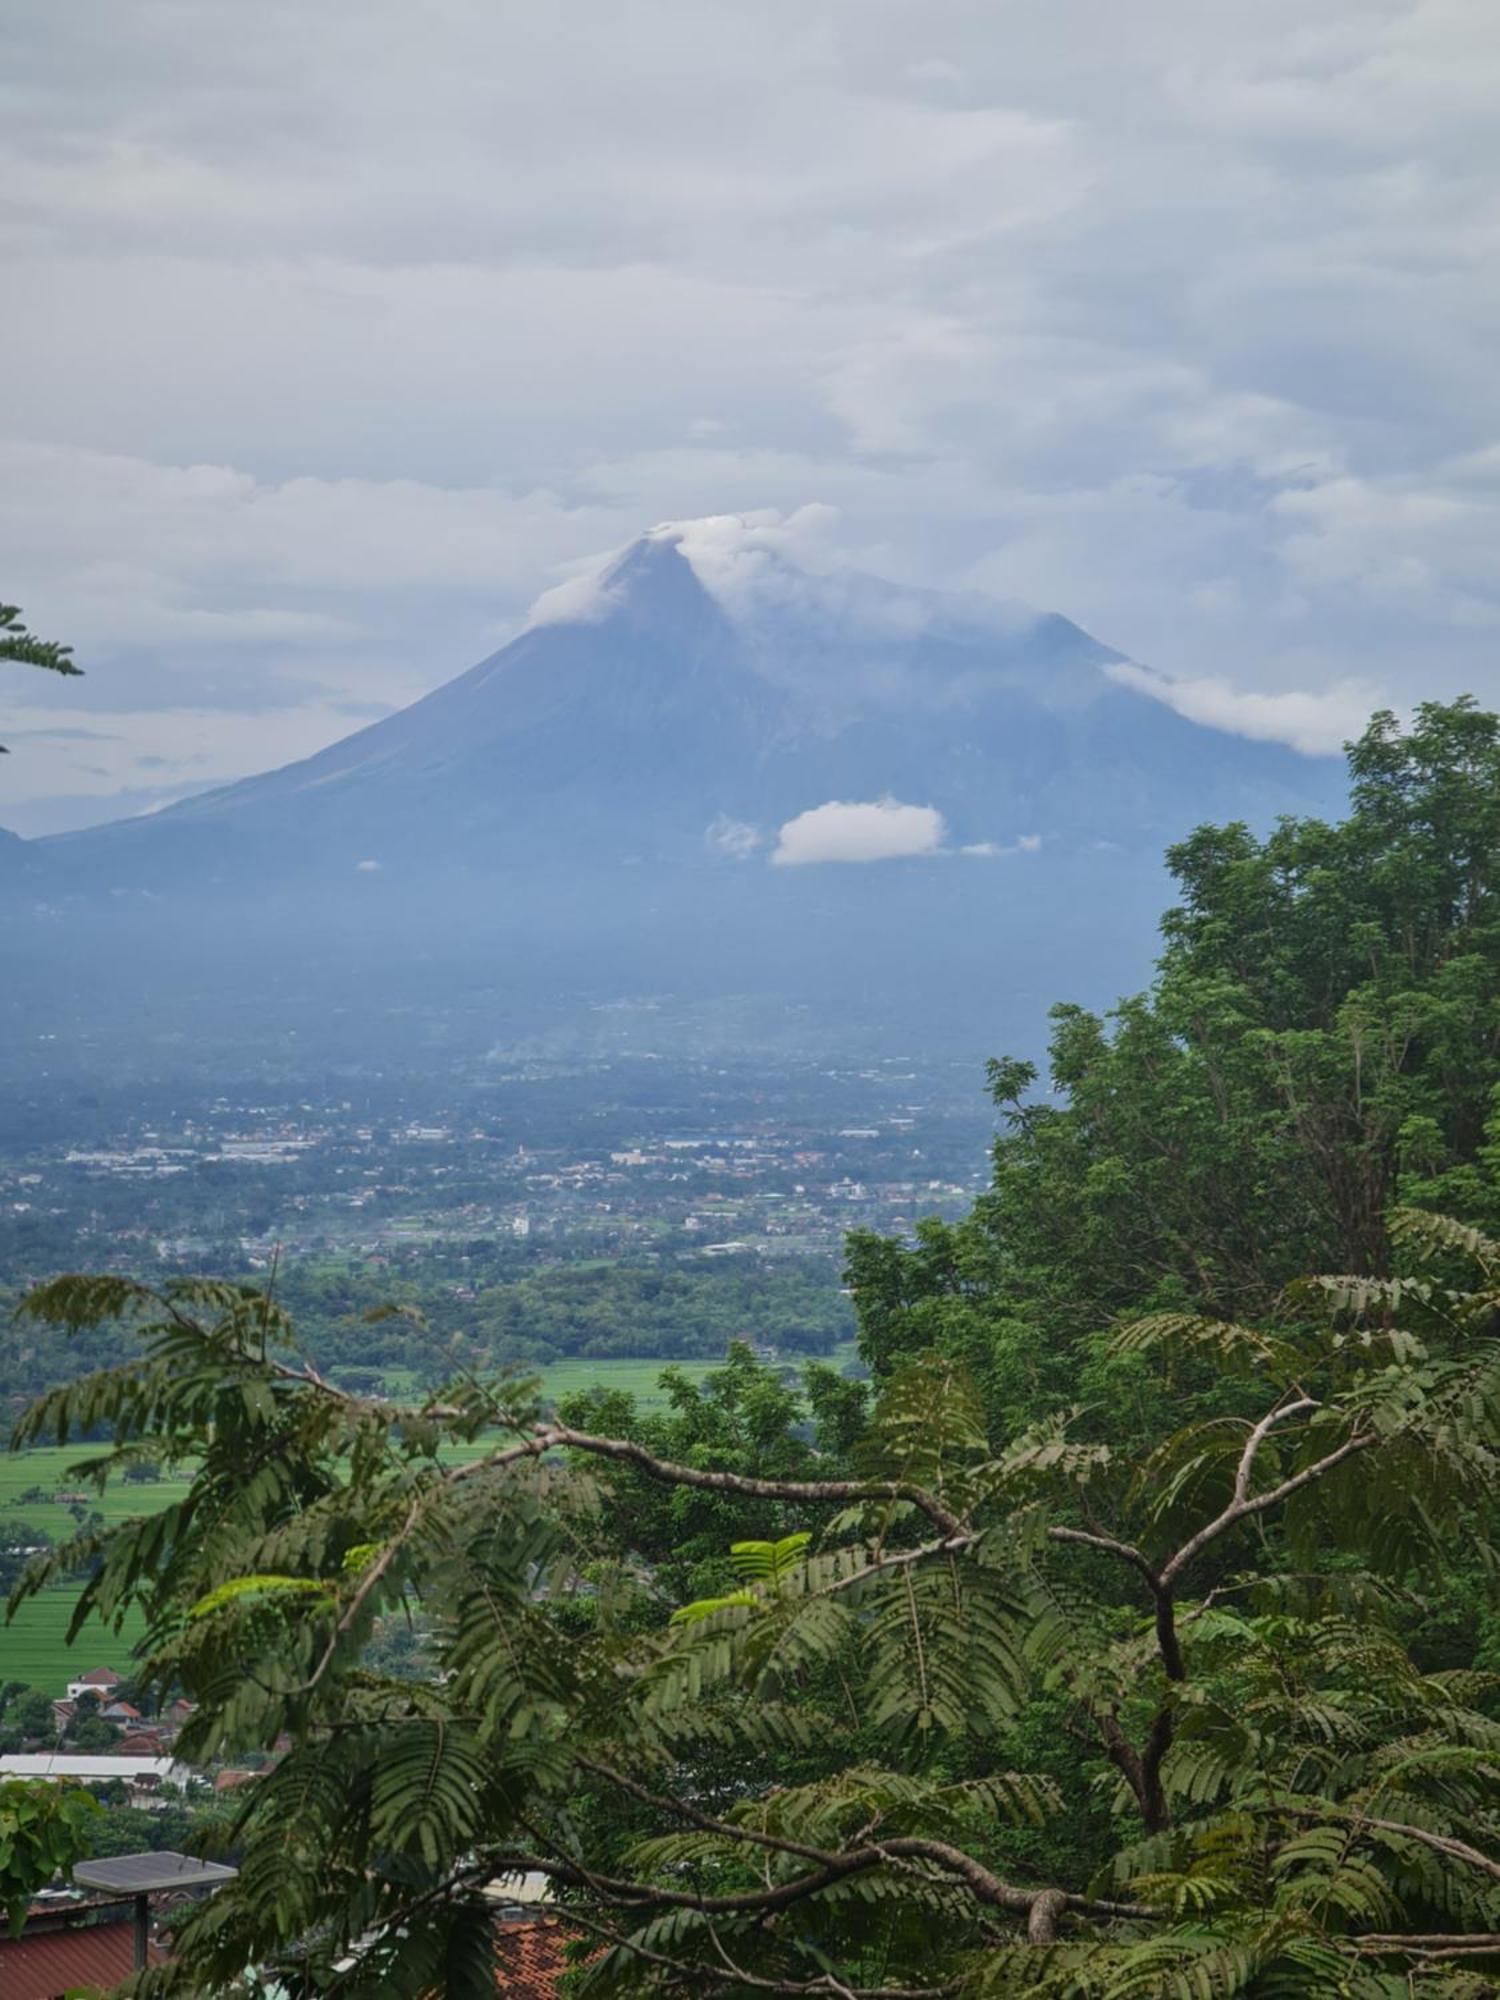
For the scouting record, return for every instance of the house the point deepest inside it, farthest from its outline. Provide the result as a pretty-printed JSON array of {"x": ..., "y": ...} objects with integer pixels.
[
  {"x": 139, "y": 1743},
  {"x": 68, "y": 1944},
  {"x": 101, "y": 1681},
  {"x": 121, "y": 1711}
]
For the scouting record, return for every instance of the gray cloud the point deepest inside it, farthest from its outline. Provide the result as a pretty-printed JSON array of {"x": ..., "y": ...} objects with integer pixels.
[{"x": 328, "y": 347}]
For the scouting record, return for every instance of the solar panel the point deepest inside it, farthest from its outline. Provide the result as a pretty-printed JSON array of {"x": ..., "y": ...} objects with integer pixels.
[{"x": 144, "y": 1874}]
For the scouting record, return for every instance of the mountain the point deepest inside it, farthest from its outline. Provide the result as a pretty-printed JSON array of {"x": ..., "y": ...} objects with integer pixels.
[{"x": 659, "y": 789}]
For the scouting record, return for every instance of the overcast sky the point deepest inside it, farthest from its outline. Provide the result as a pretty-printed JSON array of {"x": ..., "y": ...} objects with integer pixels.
[{"x": 336, "y": 330}]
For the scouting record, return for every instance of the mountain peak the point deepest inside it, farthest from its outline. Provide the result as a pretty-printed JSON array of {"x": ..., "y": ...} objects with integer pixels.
[
  {"x": 649, "y": 584},
  {"x": 652, "y": 573}
]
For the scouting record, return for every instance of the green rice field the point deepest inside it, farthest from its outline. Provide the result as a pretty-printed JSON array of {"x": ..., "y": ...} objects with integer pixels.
[{"x": 33, "y": 1646}]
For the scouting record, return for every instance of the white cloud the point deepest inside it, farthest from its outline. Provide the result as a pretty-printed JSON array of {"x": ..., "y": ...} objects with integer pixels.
[
  {"x": 736, "y": 838},
  {"x": 578, "y": 600},
  {"x": 367, "y": 867},
  {"x": 994, "y": 850},
  {"x": 882, "y": 830},
  {"x": 763, "y": 561},
  {"x": 1318, "y": 724}
]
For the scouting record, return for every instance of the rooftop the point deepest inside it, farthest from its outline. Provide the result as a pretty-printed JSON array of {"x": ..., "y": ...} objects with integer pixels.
[
  {"x": 144, "y": 1874},
  {"x": 529, "y": 1961},
  {"x": 59, "y": 1954}
]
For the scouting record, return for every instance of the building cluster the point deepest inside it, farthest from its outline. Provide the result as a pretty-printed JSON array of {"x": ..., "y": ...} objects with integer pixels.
[{"x": 331, "y": 1183}]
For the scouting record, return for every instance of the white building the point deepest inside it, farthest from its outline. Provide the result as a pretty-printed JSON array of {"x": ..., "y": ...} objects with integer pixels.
[
  {"x": 101, "y": 1681},
  {"x": 58, "y": 1764}
]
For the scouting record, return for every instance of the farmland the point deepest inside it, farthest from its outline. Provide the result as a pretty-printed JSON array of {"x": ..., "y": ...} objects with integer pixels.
[{"x": 33, "y": 1646}]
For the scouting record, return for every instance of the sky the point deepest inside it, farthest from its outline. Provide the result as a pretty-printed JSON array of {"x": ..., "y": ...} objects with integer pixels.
[{"x": 335, "y": 334}]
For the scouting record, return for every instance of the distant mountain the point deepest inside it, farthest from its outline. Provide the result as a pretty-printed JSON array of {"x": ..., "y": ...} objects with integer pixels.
[{"x": 631, "y": 797}]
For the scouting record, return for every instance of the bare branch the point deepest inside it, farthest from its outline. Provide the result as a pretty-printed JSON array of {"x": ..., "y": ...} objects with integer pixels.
[
  {"x": 1124, "y": 1550},
  {"x": 1245, "y": 1504},
  {"x": 825, "y": 1984},
  {"x": 1258, "y": 1437}
]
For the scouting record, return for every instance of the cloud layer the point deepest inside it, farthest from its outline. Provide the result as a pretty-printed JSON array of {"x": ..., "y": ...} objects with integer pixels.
[
  {"x": 327, "y": 350},
  {"x": 1318, "y": 724}
]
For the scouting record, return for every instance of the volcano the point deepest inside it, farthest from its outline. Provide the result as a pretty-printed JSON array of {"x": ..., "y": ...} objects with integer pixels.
[{"x": 852, "y": 803}]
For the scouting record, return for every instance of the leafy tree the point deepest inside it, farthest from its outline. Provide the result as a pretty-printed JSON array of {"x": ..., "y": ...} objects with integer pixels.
[
  {"x": 144, "y": 1829},
  {"x": 31, "y": 1712},
  {"x": 17, "y": 644},
  {"x": 93, "y": 1734},
  {"x": 1322, "y": 1040},
  {"x": 1204, "y": 1630},
  {"x": 44, "y": 1829},
  {"x": 742, "y": 1418}
]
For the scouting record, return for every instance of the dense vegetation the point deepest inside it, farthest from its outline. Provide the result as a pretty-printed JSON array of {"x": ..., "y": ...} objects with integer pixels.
[
  {"x": 1132, "y": 1635},
  {"x": 514, "y": 1311},
  {"x": 1322, "y": 1041}
]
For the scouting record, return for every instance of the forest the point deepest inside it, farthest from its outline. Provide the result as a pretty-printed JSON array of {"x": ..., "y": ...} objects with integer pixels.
[{"x": 1131, "y": 1632}]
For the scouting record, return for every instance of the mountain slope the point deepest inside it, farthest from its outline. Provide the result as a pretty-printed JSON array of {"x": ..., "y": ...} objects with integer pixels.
[{"x": 596, "y": 810}]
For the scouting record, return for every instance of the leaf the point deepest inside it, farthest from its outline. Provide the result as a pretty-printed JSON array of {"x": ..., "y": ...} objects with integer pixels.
[{"x": 239, "y": 1588}]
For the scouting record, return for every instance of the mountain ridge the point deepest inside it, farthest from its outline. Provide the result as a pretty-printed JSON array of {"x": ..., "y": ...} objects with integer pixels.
[{"x": 603, "y": 804}]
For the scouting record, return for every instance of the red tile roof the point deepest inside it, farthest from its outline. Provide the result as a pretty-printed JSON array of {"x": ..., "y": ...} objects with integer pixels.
[
  {"x": 139, "y": 1743},
  {"x": 529, "y": 1961},
  {"x": 45, "y": 1961}
]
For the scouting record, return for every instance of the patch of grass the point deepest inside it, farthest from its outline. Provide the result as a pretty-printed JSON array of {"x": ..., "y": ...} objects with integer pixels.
[
  {"x": 34, "y": 1648},
  {"x": 640, "y": 1379},
  {"x": 49, "y": 1468}
]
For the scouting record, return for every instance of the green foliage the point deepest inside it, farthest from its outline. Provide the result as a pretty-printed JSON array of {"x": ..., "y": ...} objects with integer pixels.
[
  {"x": 1322, "y": 1041},
  {"x": 44, "y": 1829},
  {"x": 821, "y": 1773},
  {"x": 30, "y": 1709},
  {"x": 24, "y": 648}
]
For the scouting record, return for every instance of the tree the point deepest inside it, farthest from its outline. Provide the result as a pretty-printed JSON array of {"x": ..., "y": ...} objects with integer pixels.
[
  {"x": 31, "y": 1712},
  {"x": 1322, "y": 1039},
  {"x": 93, "y": 1733},
  {"x": 17, "y": 644},
  {"x": 1205, "y": 1629},
  {"x": 127, "y": 1829},
  {"x": 741, "y": 1418},
  {"x": 44, "y": 1829}
]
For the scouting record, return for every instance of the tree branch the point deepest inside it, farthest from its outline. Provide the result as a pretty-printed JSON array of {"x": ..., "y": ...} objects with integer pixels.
[
  {"x": 1440, "y": 1843},
  {"x": 985, "y": 1887},
  {"x": 551, "y": 1437},
  {"x": 826, "y": 1983},
  {"x": 1244, "y": 1504}
]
